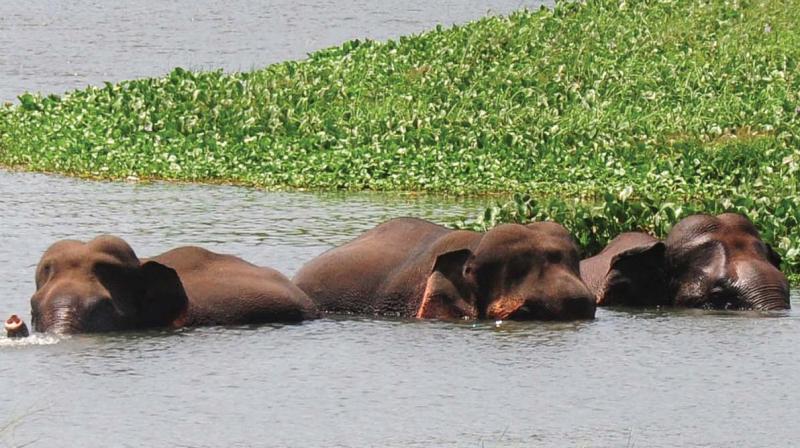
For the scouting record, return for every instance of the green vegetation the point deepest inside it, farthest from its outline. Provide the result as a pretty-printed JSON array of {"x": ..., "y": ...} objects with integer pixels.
[
  {"x": 595, "y": 224},
  {"x": 615, "y": 115}
]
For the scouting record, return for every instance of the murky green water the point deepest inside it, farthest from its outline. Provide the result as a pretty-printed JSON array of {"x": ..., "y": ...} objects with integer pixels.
[{"x": 659, "y": 379}]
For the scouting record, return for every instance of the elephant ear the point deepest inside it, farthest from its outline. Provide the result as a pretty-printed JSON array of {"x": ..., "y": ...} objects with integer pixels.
[
  {"x": 636, "y": 277},
  {"x": 150, "y": 294},
  {"x": 165, "y": 297},
  {"x": 447, "y": 294},
  {"x": 650, "y": 253},
  {"x": 773, "y": 257}
]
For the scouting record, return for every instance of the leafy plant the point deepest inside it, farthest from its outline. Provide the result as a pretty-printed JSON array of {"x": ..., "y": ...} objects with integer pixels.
[
  {"x": 613, "y": 114},
  {"x": 595, "y": 224}
]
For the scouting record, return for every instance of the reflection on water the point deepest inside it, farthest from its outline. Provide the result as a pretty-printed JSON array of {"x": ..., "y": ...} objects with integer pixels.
[
  {"x": 629, "y": 378},
  {"x": 52, "y": 46}
]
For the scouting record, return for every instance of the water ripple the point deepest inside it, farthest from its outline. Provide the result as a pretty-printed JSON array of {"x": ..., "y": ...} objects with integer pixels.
[{"x": 629, "y": 378}]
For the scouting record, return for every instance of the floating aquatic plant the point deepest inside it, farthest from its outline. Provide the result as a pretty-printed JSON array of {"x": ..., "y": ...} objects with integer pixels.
[{"x": 599, "y": 106}]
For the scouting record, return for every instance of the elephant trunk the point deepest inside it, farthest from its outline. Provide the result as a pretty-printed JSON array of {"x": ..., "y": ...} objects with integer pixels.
[
  {"x": 762, "y": 287},
  {"x": 766, "y": 297},
  {"x": 16, "y": 328},
  {"x": 59, "y": 317}
]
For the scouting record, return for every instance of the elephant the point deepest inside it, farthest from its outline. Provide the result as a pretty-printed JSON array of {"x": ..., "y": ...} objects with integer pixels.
[
  {"x": 16, "y": 328},
  {"x": 409, "y": 267},
  {"x": 629, "y": 271},
  {"x": 101, "y": 285},
  {"x": 720, "y": 262},
  {"x": 713, "y": 262}
]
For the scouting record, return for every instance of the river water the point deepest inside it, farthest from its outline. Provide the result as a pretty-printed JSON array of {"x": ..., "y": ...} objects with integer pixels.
[
  {"x": 52, "y": 46},
  {"x": 627, "y": 379},
  {"x": 655, "y": 379}
]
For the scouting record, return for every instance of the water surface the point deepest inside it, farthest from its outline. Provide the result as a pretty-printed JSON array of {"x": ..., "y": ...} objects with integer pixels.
[
  {"x": 52, "y": 46},
  {"x": 655, "y": 379}
]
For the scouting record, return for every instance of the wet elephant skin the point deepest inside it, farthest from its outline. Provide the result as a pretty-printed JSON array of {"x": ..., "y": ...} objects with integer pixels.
[
  {"x": 714, "y": 262},
  {"x": 721, "y": 262},
  {"x": 101, "y": 285},
  {"x": 629, "y": 271},
  {"x": 413, "y": 268}
]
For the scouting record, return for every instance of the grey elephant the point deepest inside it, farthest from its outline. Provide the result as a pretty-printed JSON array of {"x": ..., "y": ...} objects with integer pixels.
[{"x": 716, "y": 262}]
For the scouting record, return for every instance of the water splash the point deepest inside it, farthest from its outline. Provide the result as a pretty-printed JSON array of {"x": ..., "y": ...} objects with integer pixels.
[{"x": 36, "y": 339}]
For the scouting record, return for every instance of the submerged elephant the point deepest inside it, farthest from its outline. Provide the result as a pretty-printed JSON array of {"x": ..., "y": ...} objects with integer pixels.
[
  {"x": 721, "y": 262},
  {"x": 717, "y": 262},
  {"x": 629, "y": 271},
  {"x": 413, "y": 268},
  {"x": 102, "y": 286}
]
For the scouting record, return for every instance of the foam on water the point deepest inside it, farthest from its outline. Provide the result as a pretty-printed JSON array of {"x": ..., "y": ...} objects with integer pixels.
[{"x": 36, "y": 339}]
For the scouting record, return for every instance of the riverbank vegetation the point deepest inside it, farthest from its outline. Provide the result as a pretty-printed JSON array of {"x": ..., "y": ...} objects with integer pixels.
[
  {"x": 595, "y": 223},
  {"x": 605, "y": 115}
]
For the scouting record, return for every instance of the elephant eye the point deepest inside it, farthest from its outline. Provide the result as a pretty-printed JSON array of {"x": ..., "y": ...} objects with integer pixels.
[
  {"x": 517, "y": 269},
  {"x": 553, "y": 257},
  {"x": 703, "y": 251},
  {"x": 106, "y": 268},
  {"x": 620, "y": 285},
  {"x": 44, "y": 275},
  {"x": 99, "y": 307}
]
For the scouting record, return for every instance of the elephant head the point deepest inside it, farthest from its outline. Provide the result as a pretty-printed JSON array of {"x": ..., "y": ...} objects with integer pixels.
[
  {"x": 629, "y": 271},
  {"x": 720, "y": 262},
  {"x": 102, "y": 286},
  {"x": 513, "y": 272}
]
